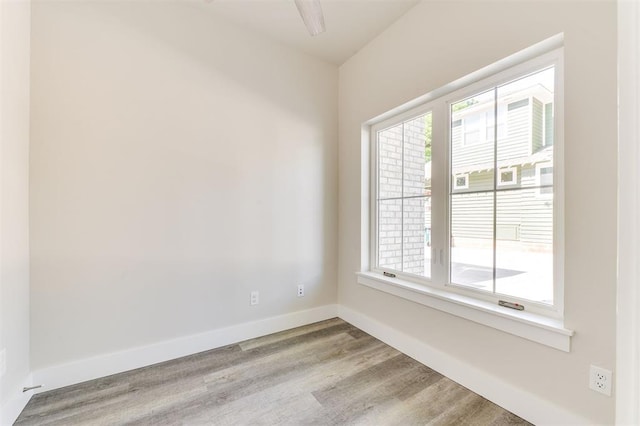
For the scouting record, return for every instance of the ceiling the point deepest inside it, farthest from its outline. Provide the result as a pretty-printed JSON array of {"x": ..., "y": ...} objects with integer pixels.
[{"x": 350, "y": 24}]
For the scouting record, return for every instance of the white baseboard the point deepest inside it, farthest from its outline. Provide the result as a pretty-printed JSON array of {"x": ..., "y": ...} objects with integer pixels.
[
  {"x": 524, "y": 404},
  {"x": 10, "y": 411},
  {"x": 117, "y": 362}
]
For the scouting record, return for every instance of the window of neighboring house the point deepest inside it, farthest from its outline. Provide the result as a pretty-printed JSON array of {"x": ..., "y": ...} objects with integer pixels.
[
  {"x": 508, "y": 176},
  {"x": 548, "y": 124},
  {"x": 482, "y": 243},
  {"x": 474, "y": 126},
  {"x": 461, "y": 181},
  {"x": 502, "y": 128},
  {"x": 518, "y": 104},
  {"x": 544, "y": 176},
  {"x": 479, "y": 125}
]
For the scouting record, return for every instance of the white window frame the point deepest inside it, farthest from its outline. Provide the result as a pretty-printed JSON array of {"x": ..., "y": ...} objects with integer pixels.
[
  {"x": 513, "y": 181},
  {"x": 539, "y": 322}
]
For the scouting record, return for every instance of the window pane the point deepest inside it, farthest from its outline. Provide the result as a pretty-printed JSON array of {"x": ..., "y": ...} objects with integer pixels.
[
  {"x": 472, "y": 240},
  {"x": 390, "y": 234},
  {"x": 416, "y": 247},
  {"x": 390, "y": 162},
  {"x": 417, "y": 156},
  {"x": 524, "y": 245},
  {"x": 404, "y": 197},
  {"x": 520, "y": 226}
]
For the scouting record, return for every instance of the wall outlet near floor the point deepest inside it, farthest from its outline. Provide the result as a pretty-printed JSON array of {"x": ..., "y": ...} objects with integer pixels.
[
  {"x": 255, "y": 297},
  {"x": 600, "y": 380},
  {"x": 3, "y": 362},
  {"x": 300, "y": 290}
]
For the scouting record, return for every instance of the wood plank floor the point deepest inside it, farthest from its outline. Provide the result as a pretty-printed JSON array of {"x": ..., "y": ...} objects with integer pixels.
[{"x": 328, "y": 373}]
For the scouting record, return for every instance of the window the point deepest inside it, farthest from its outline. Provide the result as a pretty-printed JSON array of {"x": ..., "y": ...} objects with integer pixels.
[
  {"x": 403, "y": 200},
  {"x": 474, "y": 126},
  {"x": 508, "y": 176},
  {"x": 544, "y": 175},
  {"x": 461, "y": 181},
  {"x": 548, "y": 124},
  {"x": 518, "y": 104},
  {"x": 501, "y": 235},
  {"x": 457, "y": 185}
]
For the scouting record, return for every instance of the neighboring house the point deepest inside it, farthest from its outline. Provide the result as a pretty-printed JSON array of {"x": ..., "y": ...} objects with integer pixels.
[{"x": 523, "y": 156}]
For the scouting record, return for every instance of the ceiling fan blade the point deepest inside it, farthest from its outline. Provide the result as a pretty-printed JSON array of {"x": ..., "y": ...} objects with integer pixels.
[{"x": 311, "y": 12}]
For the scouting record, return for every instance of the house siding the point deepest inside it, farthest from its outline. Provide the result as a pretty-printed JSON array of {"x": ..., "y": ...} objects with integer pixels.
[{"x": 523, "y": 214}]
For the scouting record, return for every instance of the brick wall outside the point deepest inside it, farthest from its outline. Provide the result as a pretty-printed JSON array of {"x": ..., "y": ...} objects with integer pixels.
[{"x": 401, "y": 223}]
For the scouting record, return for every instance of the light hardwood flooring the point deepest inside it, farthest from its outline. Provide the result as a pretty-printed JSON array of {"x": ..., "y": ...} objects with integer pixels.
[{"x": 328, "y": 373}]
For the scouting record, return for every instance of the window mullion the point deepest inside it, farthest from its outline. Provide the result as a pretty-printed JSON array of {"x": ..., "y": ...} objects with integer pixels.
[
  {"x": 402, "y": 197},
  {"x": 495, "y": 184},
  {"x": 440, "y": 169}
]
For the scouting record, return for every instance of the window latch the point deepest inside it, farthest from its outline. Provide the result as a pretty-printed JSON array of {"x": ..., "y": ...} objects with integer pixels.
[{"x": 515, "y": 306}]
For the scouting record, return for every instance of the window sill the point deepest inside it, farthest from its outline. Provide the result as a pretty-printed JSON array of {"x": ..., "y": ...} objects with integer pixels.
[{"x": 534, "y": 327}]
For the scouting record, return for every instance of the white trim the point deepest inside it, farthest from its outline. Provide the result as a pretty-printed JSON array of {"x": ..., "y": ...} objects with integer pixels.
[
  {"x": 628, "y": 297},
  {"x": 534, "y": 327},
  {"x": 10, "y": 411},
  {"x": 117, "y": 362},
  {"x": 529, "y": 406}
]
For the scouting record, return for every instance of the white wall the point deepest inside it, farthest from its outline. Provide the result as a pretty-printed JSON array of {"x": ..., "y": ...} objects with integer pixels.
[
  {"x": 14, "y": 207},
  {"x": 177, "y": 163},
  {"x": 434, "y": 44}
]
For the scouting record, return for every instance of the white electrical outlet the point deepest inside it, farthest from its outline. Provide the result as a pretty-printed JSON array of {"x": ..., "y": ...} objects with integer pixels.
[
  {"x": 255, "y": 297},
  {"x": 600, "y": 380},
  {"x": 300, "y": 290},
  {"x": 3, "y": 362}
]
